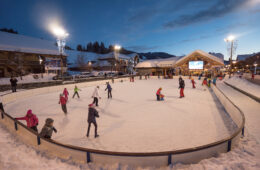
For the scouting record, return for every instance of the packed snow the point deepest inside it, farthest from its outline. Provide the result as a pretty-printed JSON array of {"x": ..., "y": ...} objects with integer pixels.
[
  {"x": 29, "y": 79},
  {"x": 244, "y": 85},
  {"x": 133, "y": 121}
]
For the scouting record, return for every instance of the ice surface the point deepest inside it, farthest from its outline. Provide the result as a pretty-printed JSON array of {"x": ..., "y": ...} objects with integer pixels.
[{"x": 133, "y": 120}]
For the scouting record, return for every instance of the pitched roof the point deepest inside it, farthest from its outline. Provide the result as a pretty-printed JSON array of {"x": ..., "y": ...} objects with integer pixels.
[
  {"x": 26, "y": 44},
  {"x": 168, "y": 62}
]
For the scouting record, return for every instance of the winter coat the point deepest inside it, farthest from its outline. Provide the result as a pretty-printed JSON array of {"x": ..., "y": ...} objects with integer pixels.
[
  {"x": 92, "y": 114},
  {"x": 47, "y": 129},
  {"x": 76, "y": 89},
  {"x": 180, "y": 79},
  {"x": 158, "y": 92},
  {"x": 193, "y": 82},
  {"x": 109, "y": 88},
  {"x": 63, "y": 100},
  {"x": 182, "y": 84},
  {"x": 95, "y": 93},
  {"x": 30, "y": 118},
  {"x": 65, "y": 92},
  {"x": 13, "y": 82}
]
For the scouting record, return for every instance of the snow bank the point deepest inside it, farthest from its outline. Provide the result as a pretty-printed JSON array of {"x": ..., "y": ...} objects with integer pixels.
[
  {"x": 244, "y": 85},
  {"x": 29, "y": 79}
]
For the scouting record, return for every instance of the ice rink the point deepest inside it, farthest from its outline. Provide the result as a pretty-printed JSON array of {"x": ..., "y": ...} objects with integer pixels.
[{"x": 133, "y": 121}]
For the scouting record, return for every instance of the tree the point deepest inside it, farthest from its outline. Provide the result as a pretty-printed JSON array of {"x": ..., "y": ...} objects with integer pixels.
[
  {"x": 90, "y": 47},
  {"x": 80, "y": 61},
  {"x": 79, "y": 48},
  {"x": 9, "y": 30},
  {"x": 102, "y": 48},
  {"x": 96, "y": 47}
]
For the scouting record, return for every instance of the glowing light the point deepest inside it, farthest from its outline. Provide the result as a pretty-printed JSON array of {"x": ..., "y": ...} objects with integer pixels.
[
  {"x": 117, "y": 47},
  {"x": 59, "y": 32},
  {"x": 229, "y": 38}
]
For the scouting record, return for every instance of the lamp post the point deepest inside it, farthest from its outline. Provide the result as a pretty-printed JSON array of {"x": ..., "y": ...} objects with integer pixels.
[
  {"x": 40, "y": 60},
  {"x": 255, "y": 64},
  {"x": 117, "y": 49},
  {"x": 230, "y": 39},
  {"x": 61, "y": 34},
  {"x": 89, "y": 65}
]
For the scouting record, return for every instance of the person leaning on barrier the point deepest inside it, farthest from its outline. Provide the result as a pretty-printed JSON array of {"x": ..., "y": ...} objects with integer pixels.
[
  {"x": 48, "y": 129},
  {"x": 13, "y": 82},
  {"x": 31, "y": 120}
]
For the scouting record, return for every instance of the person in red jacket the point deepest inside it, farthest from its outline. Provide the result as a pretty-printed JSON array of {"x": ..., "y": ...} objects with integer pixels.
[
  {"x": 63, "y": 103},
  {"x": 66, "y": 93},
  {"x": 159, "y": 95},
  {"x": 31, "y": 120},
  {"x": 193, "y": 83},
  {"x": 205, "y": 83}
]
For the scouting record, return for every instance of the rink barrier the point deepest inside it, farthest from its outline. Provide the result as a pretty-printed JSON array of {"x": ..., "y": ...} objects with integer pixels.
[{"x": 84, "y": 155}]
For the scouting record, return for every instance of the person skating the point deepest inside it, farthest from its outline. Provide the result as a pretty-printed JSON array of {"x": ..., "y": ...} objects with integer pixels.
[
  {"x": 63, "y": 103},
  {"x": 215, "y": 81},
  {"x": 96, "y": 96},
  {"x": 13, "y": 82},
  {"x": 92, "y": 114},
  {"x": 76, "y": 91},
  {"x": 109, "y": 90},
  {"x": 31, "y": 120},
  {"x": 193, "y": 83},
  {"x": 205, "y": 83},
  {"x": 159, "y": 95},
  {"x": 66, "y": 93},
  {"x": 181, "y": 87},
  {"x": 209, "y": 82},
  {"x": 48, "y": 129},
  {"x": 1, "y": 105},
  {"x": 180, "y": 78}
]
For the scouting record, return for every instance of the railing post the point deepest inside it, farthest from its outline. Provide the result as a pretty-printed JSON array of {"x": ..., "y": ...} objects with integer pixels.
[
  {"x": 169, "y": 159},
  {"x": 2, "y": 107},
  {"x": 88, "y": 157},
  {"x": 2, "y": 114},
  {"x": 229, "y": 145},
  {"x": 38, "y": 140},
  {"x": 15, "y": 125}
]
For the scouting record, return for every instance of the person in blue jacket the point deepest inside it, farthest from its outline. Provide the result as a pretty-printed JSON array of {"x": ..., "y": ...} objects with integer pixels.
[{"x": 109, "y": 90}]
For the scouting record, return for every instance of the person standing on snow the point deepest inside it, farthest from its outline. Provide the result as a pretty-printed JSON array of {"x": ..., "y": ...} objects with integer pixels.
[
  {"x": 193, "y": 83},
  {"x": 109, "y": 90},
  {"x": 66, "y": 93},
  {"x": 63, "y": 103},
  {"x": 13, "y": 82},
  {"x": 180, "y": 78},
  {"x": 48, "y": 129},
  {"x": 92, "y": 114},
  {"x": 96, "y": 96},
  {"x": 76, "y": 89},
  {"x": 31, "y": 120},
  {"x": 181, "y": 87},
  {"x": 1, "y": 105}
]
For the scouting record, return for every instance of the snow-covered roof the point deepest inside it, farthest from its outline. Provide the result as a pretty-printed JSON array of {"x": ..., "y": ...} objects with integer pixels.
[
  {"x": 168, "y": 62},
  {"x": 119, "y": 55},
  {"x": 212, "y": 57},
  {"x": 26, "y": 44},
  {"x": 102, "y": 63}
]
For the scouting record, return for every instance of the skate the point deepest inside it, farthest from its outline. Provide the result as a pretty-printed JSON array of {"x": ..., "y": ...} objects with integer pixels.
[{"x": 96, "y": 136}]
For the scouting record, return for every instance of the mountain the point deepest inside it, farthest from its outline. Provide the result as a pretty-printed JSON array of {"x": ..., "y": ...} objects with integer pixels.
[
  {"x": 155, "y": 55},
  {"x": 219, "y": 55}
]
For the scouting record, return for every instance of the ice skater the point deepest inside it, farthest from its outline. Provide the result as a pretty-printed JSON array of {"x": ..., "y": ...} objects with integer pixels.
[
  {"x": 48, "y": 129},
  {"x": 76, "y": 92},
  {"x": 205, "y": 83},
  {"x": 181, "y": 87},
  {"x": 13, "y": 82},
  {"x": 159, "y": 95},
  {"x": 209, "y": 82},
  {"x": 66, "y": 93},
  {"x": 31, "y": 120},
  {"x": 63, "y": 103},
  {"x": 92, "y": 114},
  {"x": 193, "y": 83},
  {"x": 109, "y": 90},
  {"x": 96, "y": 96},
  {"x": 1, "y": 105},
  {"x": 215, "y": 81}
]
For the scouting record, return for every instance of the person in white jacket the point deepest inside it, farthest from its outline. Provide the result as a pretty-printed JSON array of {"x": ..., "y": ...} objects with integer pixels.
[{"x": 96, "y": 96}]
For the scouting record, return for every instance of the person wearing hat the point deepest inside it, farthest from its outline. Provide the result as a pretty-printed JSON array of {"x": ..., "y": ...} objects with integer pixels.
[
  {"x": 66, "y": 93},
  {"x": 96, "y": 96},
  {"x": 48, "y": 129},
  {"x": 92, "y": 114},
  {"x": 181, "y": 87},
  {"x": 31, "y": 120},
  {"x": 109, "y": 90},
  {"x": 63, "y": 103}
]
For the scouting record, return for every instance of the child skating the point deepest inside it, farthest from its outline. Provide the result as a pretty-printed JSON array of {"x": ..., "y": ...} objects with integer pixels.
[
  {"x": 159, "y": 95},
  {"x": 76, "y": 91}
]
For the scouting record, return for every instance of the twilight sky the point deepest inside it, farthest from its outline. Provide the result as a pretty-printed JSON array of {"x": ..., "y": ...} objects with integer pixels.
[{"x": 174, "y": 26}]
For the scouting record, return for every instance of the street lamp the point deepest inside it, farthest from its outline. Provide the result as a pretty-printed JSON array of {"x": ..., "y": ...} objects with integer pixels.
[
  {"x": 61, "y": 34},
  {"x": 255, "y": 64},
  {"x": 89, "y": 65},
  {"x": 40, "y": 61},
  {"x": 117, "y": 49},
  {"x": 230, "y": 39}
]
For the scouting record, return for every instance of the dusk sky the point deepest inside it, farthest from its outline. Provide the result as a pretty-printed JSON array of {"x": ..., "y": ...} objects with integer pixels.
[{"x": 174, "y": 26}]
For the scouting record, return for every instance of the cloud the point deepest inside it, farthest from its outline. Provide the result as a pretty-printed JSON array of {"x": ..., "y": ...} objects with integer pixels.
[
  {"x": 142, "y": 48},
  {"x": 218, "y": 9}
]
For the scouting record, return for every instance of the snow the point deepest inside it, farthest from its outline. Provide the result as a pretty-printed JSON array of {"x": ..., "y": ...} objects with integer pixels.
[
  {"x": 134, "y": 112},
  {"x": 26, "y": 44},
  {"x": 18, "y": 156},
  {"x": 244, "y": 85},
  {"x": 169, "y": 62},
  {"x": 29, "y": 79}
]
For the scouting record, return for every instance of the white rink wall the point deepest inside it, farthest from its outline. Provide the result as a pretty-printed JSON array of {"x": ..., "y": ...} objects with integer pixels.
[{"x": 81, "y": 155}]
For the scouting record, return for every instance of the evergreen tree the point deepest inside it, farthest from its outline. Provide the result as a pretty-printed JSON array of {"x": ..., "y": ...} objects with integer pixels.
[
  {"x": 96, "y": 47},
  {"x": 79, "y": 47},
  {"x": 102, "y": 48},
  {"x": 90, "y": 47}
]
